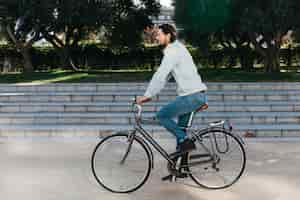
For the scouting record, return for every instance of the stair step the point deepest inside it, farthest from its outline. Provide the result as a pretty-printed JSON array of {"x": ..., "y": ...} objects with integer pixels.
[
  {"x": 274, "y": 130},
  {"x": 117, "y": 97},
  {"x": 150, "y": 114},
  {"x": 143, "y": 85},
  {"x": 127, "y": 118},
  {"x": 152, "y": 106}
]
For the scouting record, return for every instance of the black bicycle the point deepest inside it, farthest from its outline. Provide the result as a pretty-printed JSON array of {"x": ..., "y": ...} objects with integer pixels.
[{"x": 122, "y": 162}]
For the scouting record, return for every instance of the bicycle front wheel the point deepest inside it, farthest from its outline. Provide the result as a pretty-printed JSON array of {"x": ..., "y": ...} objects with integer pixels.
[
  {"x": 222, "y": 157},
  {"x": 115, "y": 175}
]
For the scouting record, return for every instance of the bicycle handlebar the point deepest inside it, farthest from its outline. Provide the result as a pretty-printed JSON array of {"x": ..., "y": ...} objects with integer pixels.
[{"x": 136, "y": 109}]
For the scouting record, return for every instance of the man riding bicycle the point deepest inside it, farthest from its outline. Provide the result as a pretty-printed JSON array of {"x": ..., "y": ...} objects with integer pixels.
[{"x": 191, "y": 91}]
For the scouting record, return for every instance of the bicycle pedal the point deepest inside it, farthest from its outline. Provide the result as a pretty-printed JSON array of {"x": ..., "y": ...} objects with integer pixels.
[
  {"x": 183, "y": 175},
  {"x": 167, "y": 178},
  {"x": 173, "y": 179}
]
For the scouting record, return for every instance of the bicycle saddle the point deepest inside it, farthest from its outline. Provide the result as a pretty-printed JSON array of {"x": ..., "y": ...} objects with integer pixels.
[{"x": 202, "y": 107}]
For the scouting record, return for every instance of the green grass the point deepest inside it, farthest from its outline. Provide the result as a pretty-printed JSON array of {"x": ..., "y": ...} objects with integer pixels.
[
  {"x": 242, "y": 76},
  {"x": 220, "y": 75}
]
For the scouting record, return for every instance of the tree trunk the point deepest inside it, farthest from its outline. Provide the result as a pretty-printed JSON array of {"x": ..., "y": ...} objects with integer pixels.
[
  {"x": 64, "y": 54},
  {"x": 246, "y": 58},
  {"x": 232, "y": 58},
  {"x": 289, "y": 56},
  {"x": 271, "y": 60},
  {"x": 24, "y": 50},
  {"x": 28, "y": 67},
  {"x": 67, "y": 60}
]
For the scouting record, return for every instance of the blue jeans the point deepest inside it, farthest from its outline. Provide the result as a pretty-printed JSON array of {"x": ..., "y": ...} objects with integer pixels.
[{"x": 181, "y": 107}]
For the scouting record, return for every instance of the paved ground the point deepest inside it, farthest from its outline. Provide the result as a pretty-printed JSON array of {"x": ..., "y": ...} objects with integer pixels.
[{"x": 59, "y": 169}]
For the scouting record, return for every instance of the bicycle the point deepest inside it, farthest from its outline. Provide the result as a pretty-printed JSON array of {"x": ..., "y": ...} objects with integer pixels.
[{"x": 122, "y": 162}]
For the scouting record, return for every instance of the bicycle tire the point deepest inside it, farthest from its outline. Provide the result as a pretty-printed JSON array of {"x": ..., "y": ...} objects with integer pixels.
[
  {"x": 199, "y": 179},
  {"x": 138, "y": 146}
]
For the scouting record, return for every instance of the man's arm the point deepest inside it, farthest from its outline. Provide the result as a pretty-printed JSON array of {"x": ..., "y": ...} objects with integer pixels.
[
  {"x": 142, "y": 99},
  {"x": 159, "y": 78}
]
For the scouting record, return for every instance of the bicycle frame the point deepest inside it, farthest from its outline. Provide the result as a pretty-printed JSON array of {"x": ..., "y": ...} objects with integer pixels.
[
  {"x": 146, "y": 136},
  {"x": 153, "y": 143}
]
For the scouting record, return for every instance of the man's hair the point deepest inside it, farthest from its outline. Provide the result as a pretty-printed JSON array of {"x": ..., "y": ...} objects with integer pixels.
[{"x": 169, "y": 29}]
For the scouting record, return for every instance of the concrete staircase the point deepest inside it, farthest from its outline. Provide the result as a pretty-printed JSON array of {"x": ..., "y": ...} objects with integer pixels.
[{"x": 75, "y": 110}]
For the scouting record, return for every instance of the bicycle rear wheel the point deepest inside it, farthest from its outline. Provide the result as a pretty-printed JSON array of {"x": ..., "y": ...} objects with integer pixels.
[
  {"x": 220, "y": 169},
  {"x": 114, "y": 175}
]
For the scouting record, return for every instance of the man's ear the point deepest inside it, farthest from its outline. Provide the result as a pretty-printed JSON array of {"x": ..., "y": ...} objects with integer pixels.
[{"x": 169, "y": 37}]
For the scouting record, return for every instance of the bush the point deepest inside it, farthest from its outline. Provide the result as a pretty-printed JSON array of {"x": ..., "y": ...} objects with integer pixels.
[{"x": 93, "y": 56}]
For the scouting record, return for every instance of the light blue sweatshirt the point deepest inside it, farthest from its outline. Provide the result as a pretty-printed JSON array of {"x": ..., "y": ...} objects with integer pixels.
[{"x": 178, "y": 62}]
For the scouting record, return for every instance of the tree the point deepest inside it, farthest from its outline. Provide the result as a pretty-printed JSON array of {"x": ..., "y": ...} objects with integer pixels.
[
  {"x": 72, "y": 22},
  {"x": 130, "y": 20},
  {"x": 198, "y": 18},
  {"x": 266, "y": 23},
  {"x": 23, "y": 21},
  {"x": 64, "y": 23},
  {"x": 235, "y": 40}
]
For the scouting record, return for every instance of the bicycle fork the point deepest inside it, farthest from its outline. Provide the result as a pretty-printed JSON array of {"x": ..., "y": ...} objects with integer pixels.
[
  {"x": 131, "y": 137},
  {"x": 130, "y": 140}
]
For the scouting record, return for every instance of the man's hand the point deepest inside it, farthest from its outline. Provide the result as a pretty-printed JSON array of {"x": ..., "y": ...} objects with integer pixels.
[{"x": 142, "y": 99}]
